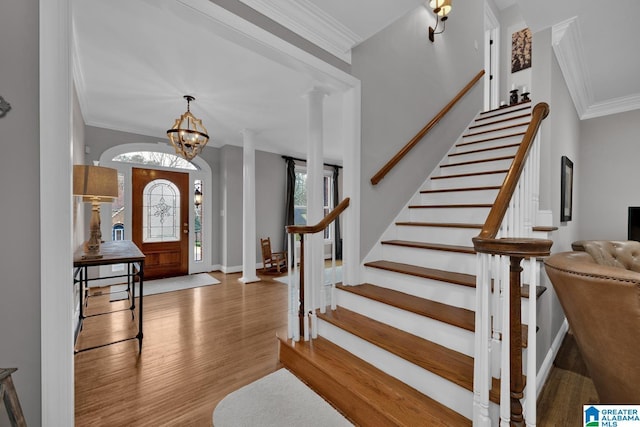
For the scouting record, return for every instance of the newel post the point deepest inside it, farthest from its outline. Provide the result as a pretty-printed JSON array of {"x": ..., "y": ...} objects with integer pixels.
[{"x": 516, "y": 249}]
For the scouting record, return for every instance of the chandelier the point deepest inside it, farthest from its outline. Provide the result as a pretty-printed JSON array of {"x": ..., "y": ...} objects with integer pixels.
[{"x": 187, "y": 135}]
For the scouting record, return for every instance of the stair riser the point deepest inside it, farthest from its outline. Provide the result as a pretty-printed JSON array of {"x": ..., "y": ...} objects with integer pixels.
[
  {"x": 458, "y": 197},
  {"x": 497, "y": 152},
  {"x": 436, "y": 290},
  {"x": 488, "y": 144},
  {"x": 494, "y": 134},
  {"x": 444, "y": 235},
  {"x": 441, "y": 260},
  {"x": 497, "y": 125},
  {"x": 465, "y": 181},
  {"x": 428, "y": 383},
  {"x": 466, "y": 215},
  {"x": 488, "y": 166},
  {"x": 510, "y": 111},
  {"x": 444, "y": 334}
]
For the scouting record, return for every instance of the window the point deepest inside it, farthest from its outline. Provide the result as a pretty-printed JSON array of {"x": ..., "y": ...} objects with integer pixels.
[
  {"x": 197, "y": 226},
  {"x": 160, "y": 212},
  {"x": 300, "y": 199},
  {"x": 154, "y": 158}
]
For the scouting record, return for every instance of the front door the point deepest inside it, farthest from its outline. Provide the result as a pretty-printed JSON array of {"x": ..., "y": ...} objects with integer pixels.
[{"x": 161, "y": 221}]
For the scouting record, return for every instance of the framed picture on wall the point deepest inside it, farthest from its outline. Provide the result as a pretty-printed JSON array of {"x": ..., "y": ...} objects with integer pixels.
[
  {"x": 566, "y": 189},
  {"x": 520, "y": 50}
]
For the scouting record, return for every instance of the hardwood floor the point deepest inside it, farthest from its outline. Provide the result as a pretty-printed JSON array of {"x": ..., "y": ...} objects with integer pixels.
[
  {"x": 567, "y": 389},
  {"x": 199, "y": 345}
]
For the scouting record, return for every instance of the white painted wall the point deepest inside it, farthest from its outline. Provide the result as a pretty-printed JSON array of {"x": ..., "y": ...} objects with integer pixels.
[
  {"x": 20, "y": 192},
  {"x": 511, "y": 21},
  {"x": 607, "y": 168},
  {"x": 406, "y": 81}
]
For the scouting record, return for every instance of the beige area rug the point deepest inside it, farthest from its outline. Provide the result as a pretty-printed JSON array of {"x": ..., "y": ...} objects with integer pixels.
[
  {"x": 277, "y": 400},
  {"x": 170, "y": 284}
]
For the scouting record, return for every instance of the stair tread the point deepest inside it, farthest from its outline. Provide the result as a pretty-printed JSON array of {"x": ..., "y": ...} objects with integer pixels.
[
  {"x": 473, "y": 162},
  {"x": 445, "y": 362},
  {"x": 463, "y": 175},
  {"x": 433, "y": 246},
  {"x": 483, "y": 132},
  {"x": 446, "y": 313},
  {"x": 511, "y": 135},
  {"x": 526, "y": 289},
  {"x": 446, "y": 190},
  {"x": 508, "y": 109},
  {"x": 439, "y": 224},
  {"x": 506, "y": 119},
  {"x": 425, "y": 272},
  {"x": 482, "y": 150},
  {"x": 401, "y": 403}
]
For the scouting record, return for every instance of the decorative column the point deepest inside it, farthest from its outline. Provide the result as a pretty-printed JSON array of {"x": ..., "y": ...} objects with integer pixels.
[
  {"x": 248, "y": 208},
  {"x": 315, "y": 174}
]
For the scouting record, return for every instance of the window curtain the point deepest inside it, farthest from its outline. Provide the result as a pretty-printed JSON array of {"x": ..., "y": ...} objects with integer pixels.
[
  {"x": 336, "y": 201},
  {"x": 289, "y": 195}
]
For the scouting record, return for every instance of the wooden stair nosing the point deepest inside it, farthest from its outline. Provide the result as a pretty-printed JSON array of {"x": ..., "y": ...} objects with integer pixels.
[
  {"x": 425, "y": 272},
  {"x": 526, "y": 289},
  {"x": 456, "y": 316},
  {"x": 511, "y": 135},
  {"x": 464, "y": 175},
  {"x": 545, "y": 228},
  {"x": 363, "y": 393},
  {"x": 439, "y": 224},
  {"x": 482, "y": 150},
  {"x": 432, "y": 246},
  {"x": 448, "y": 190},
  {"x": 498, "y": 121},
  {"x": 509, "y": 108},
  {"x": 473, "y": 162},
  {"x": 453, "y": 205},
  {"x": 442, "y": 361},
  {"x": 484, "y": 132}
]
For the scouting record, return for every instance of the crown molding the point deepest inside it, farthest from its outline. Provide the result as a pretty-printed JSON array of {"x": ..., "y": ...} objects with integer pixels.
[
  {"x": 566, "y": 40},
  {"x": 308, "y": 21}
]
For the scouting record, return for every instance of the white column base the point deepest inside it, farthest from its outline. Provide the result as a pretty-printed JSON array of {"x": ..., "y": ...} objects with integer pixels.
[{"x": 249, "y": 279}]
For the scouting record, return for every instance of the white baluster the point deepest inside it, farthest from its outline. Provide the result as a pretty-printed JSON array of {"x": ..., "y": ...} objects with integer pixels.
[
  {"x": 482, "y": 340},
  {"x": 531, "y": 391},
  {"x": 505, "y": 379}
]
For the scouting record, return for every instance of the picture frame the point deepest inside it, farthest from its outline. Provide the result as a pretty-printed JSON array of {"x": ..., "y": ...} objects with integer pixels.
[
  {"x": 521, "y": 50},
  {"x": 566, "y": 189}
]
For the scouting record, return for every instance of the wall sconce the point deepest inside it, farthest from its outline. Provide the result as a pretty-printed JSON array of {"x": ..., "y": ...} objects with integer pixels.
[
  {"x": 97, "y": 185},
  {"x": 197, "y": 197},
  {"x": 441, "y": 9}
]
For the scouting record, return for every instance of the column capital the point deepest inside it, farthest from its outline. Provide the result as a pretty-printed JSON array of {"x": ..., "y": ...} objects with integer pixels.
[{"x": 317, "y": 92}]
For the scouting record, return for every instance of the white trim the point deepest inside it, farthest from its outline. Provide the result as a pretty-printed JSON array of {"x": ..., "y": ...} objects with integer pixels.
[
  {"x": 309, "y": 21},
  {"x": 566, "y": 42},
  {"x": 56, "y": 231},
  {"x": 547, "y": 364},
  {"x": 231, "y": 269},
  {"x": 612, "y": 106}
]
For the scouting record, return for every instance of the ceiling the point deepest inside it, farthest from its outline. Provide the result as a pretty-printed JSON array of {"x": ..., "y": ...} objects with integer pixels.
[{"x": 135, "y": 59}]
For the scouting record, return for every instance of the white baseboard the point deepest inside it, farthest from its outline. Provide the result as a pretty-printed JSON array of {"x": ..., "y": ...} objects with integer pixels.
[
  {"x": 547, "y": 364},
  {"x": 231, "y": 269}
]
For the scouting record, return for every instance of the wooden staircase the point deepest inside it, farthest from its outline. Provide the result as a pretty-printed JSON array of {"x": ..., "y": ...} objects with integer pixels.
[{"x": 398, "y": 350}]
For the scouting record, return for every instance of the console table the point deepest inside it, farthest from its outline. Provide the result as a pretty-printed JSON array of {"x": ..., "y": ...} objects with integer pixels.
[{"x": 114, "y": 252}]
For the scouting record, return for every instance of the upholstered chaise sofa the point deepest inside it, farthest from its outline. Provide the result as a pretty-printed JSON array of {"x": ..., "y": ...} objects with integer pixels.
[{"x": 599, "y": 290}]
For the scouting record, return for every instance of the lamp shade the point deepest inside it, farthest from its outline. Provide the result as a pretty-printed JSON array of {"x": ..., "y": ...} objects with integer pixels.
[
  {"x": 443, "y": 6},
  {"x": 95, "y": 183}
]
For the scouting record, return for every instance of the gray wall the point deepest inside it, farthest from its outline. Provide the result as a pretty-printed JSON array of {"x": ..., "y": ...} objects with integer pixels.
[
  {"x": 560, "y": 135},
  {"x": 608, "y": 172},
  {"x": 20, "y": 193},
  {"x": 406, "y": 80}
]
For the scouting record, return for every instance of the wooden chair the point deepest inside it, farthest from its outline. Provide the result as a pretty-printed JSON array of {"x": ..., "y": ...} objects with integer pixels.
[{"x": 272, "y": 261}]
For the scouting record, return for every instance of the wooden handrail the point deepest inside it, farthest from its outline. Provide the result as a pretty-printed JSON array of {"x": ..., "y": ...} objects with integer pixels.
[
  {"x": 324, "y": 223},
  {"x": 414, "y": 141},
  {"x": 494, "y": 219}
]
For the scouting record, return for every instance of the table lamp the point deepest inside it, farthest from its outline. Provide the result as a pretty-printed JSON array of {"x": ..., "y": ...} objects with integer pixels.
[{"x": 96, "y": 184}]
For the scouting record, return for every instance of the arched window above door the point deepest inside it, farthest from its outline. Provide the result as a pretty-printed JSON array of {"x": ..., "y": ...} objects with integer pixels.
[{"x": 155, "y": 158}]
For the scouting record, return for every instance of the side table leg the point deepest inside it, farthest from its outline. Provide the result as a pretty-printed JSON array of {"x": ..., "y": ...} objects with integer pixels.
[{"x": 11, "y": 402}]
